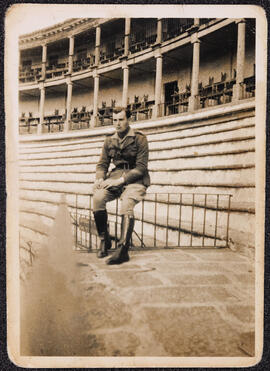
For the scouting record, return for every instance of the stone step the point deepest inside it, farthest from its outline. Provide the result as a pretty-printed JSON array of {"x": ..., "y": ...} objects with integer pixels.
[
  {"x": 194, "y": 152},
  {"x": 164, "y": 176},
  {"x": 58, "y": 187},
  {"x": 197, "y": 162},
  {"x": 201, "y": 129},
  {"x": 166, "y": 144},
  {"x": 75, "y": 145},
  {"x": 217, "y": 149},
  {"x": 204, "y": 177},
  {"x": 242, "y": 133},
  {"x": 87, "y": 143}
]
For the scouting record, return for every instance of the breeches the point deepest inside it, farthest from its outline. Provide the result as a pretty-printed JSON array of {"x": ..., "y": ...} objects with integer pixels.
[{"x": 131, "y": 195}]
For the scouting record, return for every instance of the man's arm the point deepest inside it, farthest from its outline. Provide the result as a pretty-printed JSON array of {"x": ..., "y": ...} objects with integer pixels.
[
  {"x": 141, "y": 161},
  {"x": 103, "y": 163}
]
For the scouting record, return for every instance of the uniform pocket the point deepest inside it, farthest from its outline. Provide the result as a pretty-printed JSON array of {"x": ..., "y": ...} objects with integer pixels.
[{"x": 112, "y": 152}]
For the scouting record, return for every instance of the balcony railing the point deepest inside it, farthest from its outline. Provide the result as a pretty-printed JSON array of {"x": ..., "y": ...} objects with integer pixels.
[
  {"x": 28, "y": 123},
  {"x": 216, "y": 93},
  {"x": 112, "y": 50},
  {"x": 173, "y": 27},
  {"x": 143, "y": 38},
  {"x": 56, "y": 70},
  {"x": 83, "y": 63},
  {"x": 80, "y": 119},
  {"x": 212, "y": 94},
  {"x": 54, "y": 122},
  {"x": 32, "y": 74}
]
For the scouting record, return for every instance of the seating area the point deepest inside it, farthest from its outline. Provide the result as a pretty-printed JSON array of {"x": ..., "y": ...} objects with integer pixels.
[
  {"x": 111, "y": 50},
  {"x": 173, "y": 27},
  {"x": 212, "y": 94},
  {"x": 80, "y": 119},
  {"x": 142, "y": 36},
  {"x": 141, "y": 108},
  {"x": 140, "y": 40},
  {"x": 83, "y": 63},
  {"x": 54, "y": 122},
  {"x": 56, "y": 70},
  {"x": 29, "y": 73},
  {"x": 28, "y": 123},
  {"x": 249, "y": 86},
  {"x": 215, "y": 93}
]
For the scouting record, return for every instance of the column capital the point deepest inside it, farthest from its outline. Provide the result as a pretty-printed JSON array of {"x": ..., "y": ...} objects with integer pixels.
[
  {"x": 194, "y": 38},
  {"x": 41, "y": 85},
  {"x": 240, "y": 20},
  {"x": 68, "y": 80},
  {"x": 43, "y": 44},
  {"x": 157, "y": 53},
  {"x": 124, "y": 63},
  {"x": 95, "y": 73}
]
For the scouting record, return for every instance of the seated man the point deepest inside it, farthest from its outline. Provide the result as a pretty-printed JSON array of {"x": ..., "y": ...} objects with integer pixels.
[{"x": 128, "y": 150}]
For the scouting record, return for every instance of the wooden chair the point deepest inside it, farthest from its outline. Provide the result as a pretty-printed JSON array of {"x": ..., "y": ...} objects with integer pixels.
[
  {"x": 211, "y": 80},
  {"x": 223, "y": 76}
]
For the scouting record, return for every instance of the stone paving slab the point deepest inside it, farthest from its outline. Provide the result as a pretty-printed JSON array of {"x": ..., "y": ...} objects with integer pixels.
[
  {"x": 198, "y": 279},
  {"x": 160, "y": 303},
  {"x": 183, "y": 294},
  {"x": 196, "y": 331}
]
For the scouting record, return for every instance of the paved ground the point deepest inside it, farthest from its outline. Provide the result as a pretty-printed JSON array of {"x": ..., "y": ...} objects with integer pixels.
[{"x": 160, "y": 303}]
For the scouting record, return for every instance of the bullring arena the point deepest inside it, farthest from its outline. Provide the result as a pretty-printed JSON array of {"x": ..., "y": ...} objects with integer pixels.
[{"x": 188, "y": 289}]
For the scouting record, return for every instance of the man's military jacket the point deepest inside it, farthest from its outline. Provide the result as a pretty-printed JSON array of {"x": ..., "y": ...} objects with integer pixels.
[{"x": 129, "y": 155}]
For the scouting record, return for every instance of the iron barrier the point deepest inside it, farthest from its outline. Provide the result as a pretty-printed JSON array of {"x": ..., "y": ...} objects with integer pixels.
[{"x": 162, "y": 220}]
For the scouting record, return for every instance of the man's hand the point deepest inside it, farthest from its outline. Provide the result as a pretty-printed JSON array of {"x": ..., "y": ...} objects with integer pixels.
[
  {"x": 97, "y": 184},
  {"x": 113, "y": 183}
]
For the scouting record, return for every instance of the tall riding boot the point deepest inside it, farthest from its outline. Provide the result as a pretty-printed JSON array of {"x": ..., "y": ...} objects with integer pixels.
[
  {"x": 101, "y": 219},
  {"x": 121, "y": 254}
]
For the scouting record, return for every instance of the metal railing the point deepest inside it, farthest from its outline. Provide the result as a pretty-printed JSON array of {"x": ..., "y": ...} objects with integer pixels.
[{"x": 162, "y": 220}]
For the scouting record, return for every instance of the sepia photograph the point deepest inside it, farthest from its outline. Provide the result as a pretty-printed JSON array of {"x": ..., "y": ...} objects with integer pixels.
[{"x": 135, "y": 180}]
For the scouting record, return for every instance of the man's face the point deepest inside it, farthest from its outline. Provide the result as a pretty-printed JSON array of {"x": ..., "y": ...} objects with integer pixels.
[{"x": 120, "y": 121}]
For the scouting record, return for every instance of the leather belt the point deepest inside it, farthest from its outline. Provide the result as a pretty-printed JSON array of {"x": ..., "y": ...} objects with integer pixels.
[{"x": 125, "y": 166}]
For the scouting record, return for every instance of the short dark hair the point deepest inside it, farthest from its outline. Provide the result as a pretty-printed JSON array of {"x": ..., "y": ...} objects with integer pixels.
[{"x": 118, "y": 109}]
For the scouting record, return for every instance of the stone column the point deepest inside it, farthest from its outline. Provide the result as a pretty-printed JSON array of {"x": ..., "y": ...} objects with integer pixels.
[
  {"x": 197, "y": 22},
  {"x": 41, "y": 108},
  {"x": 127, "y": 35},
  {"x": 194, "y": 99},
  {"x": 68, "y": 104},
  {"x": 125, "y": 83},
  {"x": 70, "y": 54},
  {"x": 44, "y": 61},
  {"x": 238, "y": 88},
  {"x": 159, "y": 31},
  {"x": 97, "y": 47},
  {"x": 158, "y": 85},
  {"x": 94, "y": 118}
]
